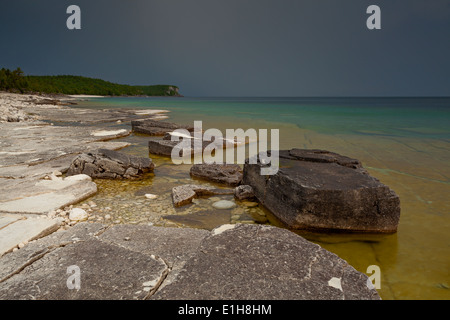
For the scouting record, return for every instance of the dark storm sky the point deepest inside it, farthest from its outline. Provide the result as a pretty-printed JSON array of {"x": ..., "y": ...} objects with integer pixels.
[{"x": 237, "y": 47}]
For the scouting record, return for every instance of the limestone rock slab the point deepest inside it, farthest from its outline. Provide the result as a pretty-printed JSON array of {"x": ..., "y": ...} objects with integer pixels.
[
  {"x": 13, "y": 262},
  {"x": 42, "y": 196},
  {"x": 244, "y": 262},
  {"x": 107, "y": 271},
  {"x": 141, "y": 262},
  {"x": 174, "y": 245},
  {"x": 230, "y": 174},
  {"x": 156, "y": 128},
  {"x": 317, "y": 189},
  {"x": 25, "y": 230},
  {"x": 6, "y": 219}
]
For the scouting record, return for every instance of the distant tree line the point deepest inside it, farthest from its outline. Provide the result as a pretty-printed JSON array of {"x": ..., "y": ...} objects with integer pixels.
[
  {"x": 14, "y": 81},
  {"x": 17, "y": 81}
]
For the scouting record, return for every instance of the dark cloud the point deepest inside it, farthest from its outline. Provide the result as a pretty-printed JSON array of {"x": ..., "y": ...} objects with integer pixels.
[{"x": 237, "y": 47}]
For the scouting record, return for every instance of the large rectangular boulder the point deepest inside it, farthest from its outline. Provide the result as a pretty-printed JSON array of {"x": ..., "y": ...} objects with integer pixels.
[{"x": 322, "y": 190}]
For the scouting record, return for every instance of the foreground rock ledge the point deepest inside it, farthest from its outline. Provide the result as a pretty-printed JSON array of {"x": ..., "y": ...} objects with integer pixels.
[
  {"x": 316, "y": 189},
  {"x": 144, "y": 262}
]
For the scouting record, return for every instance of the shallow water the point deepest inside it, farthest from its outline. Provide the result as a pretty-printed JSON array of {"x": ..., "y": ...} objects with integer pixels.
[
  {"x": 126, "y": 202},
  {"x": 405, "y": 143}
]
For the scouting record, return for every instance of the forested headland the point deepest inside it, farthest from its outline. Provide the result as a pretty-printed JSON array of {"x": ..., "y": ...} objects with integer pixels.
[{"x": 17, "y": 81}]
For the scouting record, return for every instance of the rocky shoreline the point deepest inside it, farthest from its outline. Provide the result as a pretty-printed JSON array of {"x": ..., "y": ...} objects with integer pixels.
[{"x": 41, "y": 223}]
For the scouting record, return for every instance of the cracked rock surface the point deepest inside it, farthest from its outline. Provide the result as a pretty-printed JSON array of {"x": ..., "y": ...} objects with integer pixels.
[
  {"x": 264, "y": 262},
  {"x": 145, "y": 262},
  {"x": 33, "y": 196}
]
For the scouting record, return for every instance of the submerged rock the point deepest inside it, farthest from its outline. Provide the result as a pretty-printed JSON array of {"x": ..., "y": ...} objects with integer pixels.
[
  {"x": 184, "y": 194},
  {"x": 224, "y": 204},
  {"x": 110, "y": 165},
  {"x": 230, "y": 174},
  {"x": 317, "y": 189},
  {"x": 249, "y": 204},
  {"x": 204, "y": 219},
  {"x": 244, "y": 192}
]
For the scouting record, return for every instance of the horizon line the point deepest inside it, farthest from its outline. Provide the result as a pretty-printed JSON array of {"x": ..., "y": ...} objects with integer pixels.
[{"x": 308, "y": 97}]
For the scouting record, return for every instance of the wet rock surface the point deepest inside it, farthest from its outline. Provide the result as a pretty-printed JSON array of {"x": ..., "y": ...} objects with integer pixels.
[
  {"x": 229, "y": 174},
  {"x": 184, "y": 194},
  {"x": 162, "y": 147},
  {"x": 316, "y": 189},
  {"x": 201, "y": 219},
  {"x": 244, "y": 192},
  {"x": 108, "y": 164}
]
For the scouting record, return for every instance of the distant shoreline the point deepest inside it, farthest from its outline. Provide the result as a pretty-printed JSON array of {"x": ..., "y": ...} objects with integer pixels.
[
  {"x": 84, "y": 96},
  {"x": 17, "y": 81}
]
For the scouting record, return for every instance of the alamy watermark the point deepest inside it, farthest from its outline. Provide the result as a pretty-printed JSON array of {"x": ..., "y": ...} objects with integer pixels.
[
  {"x": 73, "y": 22},
  {"x": 74, "y": 280},
  {"x": 208, "y": 147},
  {"x": 375, "y": 276}
]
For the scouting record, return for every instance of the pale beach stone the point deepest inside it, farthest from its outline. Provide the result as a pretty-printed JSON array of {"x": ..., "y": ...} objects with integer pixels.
[{"x": 78, "y": 214}]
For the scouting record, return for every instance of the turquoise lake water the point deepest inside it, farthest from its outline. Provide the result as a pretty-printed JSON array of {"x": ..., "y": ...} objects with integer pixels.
[
  {"x": 404, "y": 142},
  {"x": 403, "y": 117}
]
